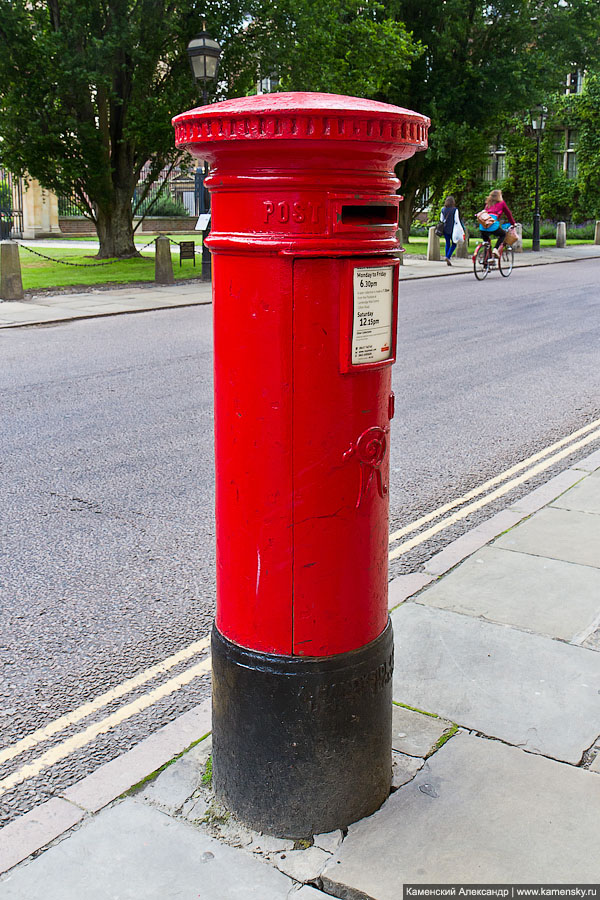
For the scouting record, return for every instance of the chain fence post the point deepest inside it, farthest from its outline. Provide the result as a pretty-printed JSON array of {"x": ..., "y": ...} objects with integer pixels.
[
  {"x": 163, "y": 263},
  {"x": 11, "y": 282}
]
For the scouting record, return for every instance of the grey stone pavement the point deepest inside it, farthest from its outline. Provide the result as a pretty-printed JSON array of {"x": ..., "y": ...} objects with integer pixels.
[
  {"x": 496, "y": 747},
  {"x": 48, "y": 307},
  {"x": 45, "y": 308}
]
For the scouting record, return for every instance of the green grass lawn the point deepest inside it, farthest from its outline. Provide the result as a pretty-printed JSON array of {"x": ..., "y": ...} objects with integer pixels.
[{"x": 42, "y": 273}]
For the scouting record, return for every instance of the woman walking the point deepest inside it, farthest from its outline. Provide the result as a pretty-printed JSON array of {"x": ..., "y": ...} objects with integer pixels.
[
  {"x": 495, "y": 207},
  {"x": 453, "y": 228}
]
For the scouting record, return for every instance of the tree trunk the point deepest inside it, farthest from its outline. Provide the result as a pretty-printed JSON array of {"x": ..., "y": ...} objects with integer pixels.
[
  {"x": 114, "y": 225},
  {"x": 412, "y": 179},
  {"x": 405, "y": 215}
]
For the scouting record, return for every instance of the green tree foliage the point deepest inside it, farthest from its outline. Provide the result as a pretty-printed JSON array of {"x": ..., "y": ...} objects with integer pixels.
[
  {"x": 562, "y": 198},
  {"x": 88, "y": 89},
  {"x": 464, "y": 63},
  {"x": 481, "y": 61},
  {"x": 336, "y": 46},
  {"x": 559, "y": 195},
  {"x": 584, "y": 115}
]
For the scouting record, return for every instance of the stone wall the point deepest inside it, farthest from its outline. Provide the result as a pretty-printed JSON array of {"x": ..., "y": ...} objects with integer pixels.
[
  {"x": 76, "y": 225},
  {"x": 167, "y": 224}
]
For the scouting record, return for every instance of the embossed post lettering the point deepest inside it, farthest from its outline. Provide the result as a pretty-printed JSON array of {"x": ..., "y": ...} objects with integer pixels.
[{"x": 298, "y": 213}]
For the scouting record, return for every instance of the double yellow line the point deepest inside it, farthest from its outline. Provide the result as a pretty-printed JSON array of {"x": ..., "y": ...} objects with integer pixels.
[
  {"x": 529, "y": 468},
  {"x": 81, "y": 738},
  {"x": 486, "y": 493}
]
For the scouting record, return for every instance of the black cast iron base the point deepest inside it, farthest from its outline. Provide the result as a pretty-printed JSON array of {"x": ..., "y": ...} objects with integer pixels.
[{"x": 302, "y": 745}]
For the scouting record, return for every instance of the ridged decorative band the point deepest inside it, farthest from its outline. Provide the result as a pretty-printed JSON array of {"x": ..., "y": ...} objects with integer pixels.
[{"x": 401, "y": 130}]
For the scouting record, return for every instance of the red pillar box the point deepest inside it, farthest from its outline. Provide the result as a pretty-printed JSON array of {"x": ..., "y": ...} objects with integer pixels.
[{"x": 305, "y": 285}]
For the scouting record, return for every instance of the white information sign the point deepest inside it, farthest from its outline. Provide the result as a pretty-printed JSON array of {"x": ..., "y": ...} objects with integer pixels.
[
  {"x": 372, "y": 318},
  {"x": 202, "y": 223}
]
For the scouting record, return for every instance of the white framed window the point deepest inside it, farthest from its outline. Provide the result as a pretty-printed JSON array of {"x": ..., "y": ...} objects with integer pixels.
[
  {"x": 571, "y": 153},
  {"x": 574, "y": 82},
  {"x": 558, "y": 149},
  {"x": 564, "y": 150},
  {"x": 496, "y": 168},
  {"x": 267, "y": 85}
]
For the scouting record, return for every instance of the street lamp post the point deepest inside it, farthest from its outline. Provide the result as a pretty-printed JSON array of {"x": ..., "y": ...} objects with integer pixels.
[
  {"x": 204, "y": 54},
  {"x": 538, "y": 122}
]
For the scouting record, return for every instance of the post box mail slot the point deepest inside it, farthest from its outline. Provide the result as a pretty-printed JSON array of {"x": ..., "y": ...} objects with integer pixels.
[
  {"x": 369, "y": 215},
  {"x": 357, "y": 215}
]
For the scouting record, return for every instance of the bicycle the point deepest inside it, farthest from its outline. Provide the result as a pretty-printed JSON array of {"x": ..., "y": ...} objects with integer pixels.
[{"x": 484, "y": 260}]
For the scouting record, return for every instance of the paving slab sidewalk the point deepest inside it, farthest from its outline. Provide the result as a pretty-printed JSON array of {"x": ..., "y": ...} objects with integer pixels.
[
  {"x": 46, "y": 308},
  {"x": 496, "y": 759},
  {"x": 416, "y": 267},
  {"x": 478, "y": 812},
  {"x": 506, "y": 645}
]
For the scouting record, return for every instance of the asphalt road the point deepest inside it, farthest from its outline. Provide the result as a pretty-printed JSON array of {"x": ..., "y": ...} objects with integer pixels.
[{"x": 106, "y": 508}]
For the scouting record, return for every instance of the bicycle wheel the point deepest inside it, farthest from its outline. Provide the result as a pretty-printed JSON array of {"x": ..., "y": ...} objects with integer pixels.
[
  {"x": 480, "y": 265},
  {"x": 507, "y": 260}
]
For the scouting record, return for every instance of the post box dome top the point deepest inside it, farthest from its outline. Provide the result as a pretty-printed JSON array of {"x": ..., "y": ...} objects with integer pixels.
[{"x": 302, "y": 116}]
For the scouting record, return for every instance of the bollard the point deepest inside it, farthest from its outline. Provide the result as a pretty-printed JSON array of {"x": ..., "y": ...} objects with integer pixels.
[
  {"x": 11, "y": 283},
  {"x": 305, "y": 284},
  {"x": 462, "y": 248},
  {"x": 433, "y": 245},
  {"x": 597, "y": 233},
  {"x": 518, "y": 245},
  {"x": 400, "y": 239},
  {"x": 561, "y": 234},
  {"x": 163, "y": 264}
]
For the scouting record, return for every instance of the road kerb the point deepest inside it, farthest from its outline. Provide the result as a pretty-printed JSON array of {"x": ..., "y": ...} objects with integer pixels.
[
  {"x": 102, "y": 314},
  {"x": 36, "y": 829},
  {"x": 480, "y": 535},
  {"x": 405, "y": 274},
  {"x": 112, "y": 779},
  {"x": 473, "y": 540}
]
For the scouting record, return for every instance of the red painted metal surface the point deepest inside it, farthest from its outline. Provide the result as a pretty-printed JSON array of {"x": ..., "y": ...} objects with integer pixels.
[{"x": 303, "y": 193}]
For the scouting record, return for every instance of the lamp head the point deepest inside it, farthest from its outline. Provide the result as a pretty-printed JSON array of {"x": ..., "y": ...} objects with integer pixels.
[{"x": 204, "y": 53}]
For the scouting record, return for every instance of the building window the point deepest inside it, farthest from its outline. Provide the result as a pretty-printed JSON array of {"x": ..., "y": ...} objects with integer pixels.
[
  {"x": 571, "y": 154},
  {"x": 574, "y": 82},
  {"x": 564, "y": 150},
  {"x": 501, "y": 164},
  {"x": 268, "y": 85},
  {"x": 558, "y": 150},
  {"x": 496, "y": 168}
]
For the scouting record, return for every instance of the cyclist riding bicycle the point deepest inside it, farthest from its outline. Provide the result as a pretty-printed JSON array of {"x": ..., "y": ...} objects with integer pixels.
[{"x": 495, "y": 207}]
